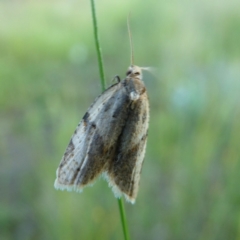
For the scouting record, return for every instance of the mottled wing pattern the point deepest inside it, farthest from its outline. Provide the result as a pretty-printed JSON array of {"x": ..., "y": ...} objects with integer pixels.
[
  {"x": 110, "y": 139},
  {"x": 125, "y": 167},
  {"x": 93, "y": 142}
]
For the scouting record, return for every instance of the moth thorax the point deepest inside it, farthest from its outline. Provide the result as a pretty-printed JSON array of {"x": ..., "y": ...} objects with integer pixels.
[{"x": 134, "y": 72}]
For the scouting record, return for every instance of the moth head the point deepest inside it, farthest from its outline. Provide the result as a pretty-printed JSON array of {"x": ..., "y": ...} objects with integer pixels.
[{"x": 134, "y": 72}]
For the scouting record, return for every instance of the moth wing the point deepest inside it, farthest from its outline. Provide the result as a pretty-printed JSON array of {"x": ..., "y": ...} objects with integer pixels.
[
  {"x": 75, "y": 156},
  {"x": 124, "y": 172},
  {"x": 93, "y": 142}
]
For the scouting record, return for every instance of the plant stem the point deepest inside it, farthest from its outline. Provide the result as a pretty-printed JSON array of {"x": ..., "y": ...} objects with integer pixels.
[
  {"x": 103, "y": 84},
  {"x": 99, "y": 52},
  {"x": 123, "y": 219}
]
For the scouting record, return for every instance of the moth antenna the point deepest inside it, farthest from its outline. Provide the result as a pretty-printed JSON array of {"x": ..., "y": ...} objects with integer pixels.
[
  {"x": 149, "y": 69},
  {"x": 130, "y": 39},
  {"x": 152, "y": 70}
]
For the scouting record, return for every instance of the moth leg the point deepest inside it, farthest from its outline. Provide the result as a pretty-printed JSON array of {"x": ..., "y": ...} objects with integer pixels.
[{"x": 118, "y": 78}]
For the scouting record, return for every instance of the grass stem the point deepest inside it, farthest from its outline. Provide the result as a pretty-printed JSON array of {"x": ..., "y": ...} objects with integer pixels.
[
  {"x": 98, "y": 48},
  {"x": 103, "y": 84},
  {"x": 123, "y": 219}
]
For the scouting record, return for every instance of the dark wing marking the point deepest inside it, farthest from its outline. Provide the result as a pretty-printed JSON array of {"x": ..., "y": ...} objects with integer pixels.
[
  {"x": 125, "y": 168},
  {"x": 111, "y": 138},
  {"x": 94, "y": 141}
]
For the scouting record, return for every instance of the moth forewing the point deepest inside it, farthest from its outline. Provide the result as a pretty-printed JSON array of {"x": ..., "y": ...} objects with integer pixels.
[
  {"x": 110, "y": 140},
  {"x": 125, "y": 168},
  {"x": 71, "y": 167}
]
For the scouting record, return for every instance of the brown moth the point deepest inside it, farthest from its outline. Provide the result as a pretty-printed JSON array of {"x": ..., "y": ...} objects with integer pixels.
[{"x": 110, "y": 139}]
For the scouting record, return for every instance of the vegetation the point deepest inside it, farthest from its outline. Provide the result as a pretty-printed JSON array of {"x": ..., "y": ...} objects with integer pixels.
[{"x": 48, "y": 78}]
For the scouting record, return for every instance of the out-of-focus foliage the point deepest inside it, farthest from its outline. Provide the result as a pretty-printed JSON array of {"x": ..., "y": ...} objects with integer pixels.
[{"x": 49, "y": 76}]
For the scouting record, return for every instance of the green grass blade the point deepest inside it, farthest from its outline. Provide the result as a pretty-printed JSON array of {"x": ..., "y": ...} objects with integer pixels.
[
  {"x": 123, "y": 219},
  {"x": 99, "y": 53},
  {"x": 103, "y": 83}
]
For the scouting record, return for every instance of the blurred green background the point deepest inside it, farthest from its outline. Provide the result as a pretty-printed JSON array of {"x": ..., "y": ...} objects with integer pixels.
[{"x": 48, "y": 78}]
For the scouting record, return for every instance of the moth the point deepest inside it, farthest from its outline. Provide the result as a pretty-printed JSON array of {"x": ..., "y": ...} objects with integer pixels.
[{"x": 110, "y": 139}]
